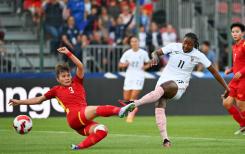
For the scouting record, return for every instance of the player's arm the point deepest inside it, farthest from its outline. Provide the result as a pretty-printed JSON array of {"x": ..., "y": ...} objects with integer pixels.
[
  {"x": 155, "y": 56},
  {"x": 219, "y": 78},
  {"x": 31, "y": 101},
  {"x": 239, "y": 74},
  {"x": 75, "y": 60},
  {"x": 67, "y": 42},
  {"x": 123, "y": 65},
  {"x": 228, "y": 71},
  {"x": 146, "y": 66}
]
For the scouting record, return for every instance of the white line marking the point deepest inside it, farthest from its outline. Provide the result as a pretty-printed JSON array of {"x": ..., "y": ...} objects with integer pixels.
[
  {"x": 110, "y": 75},
  {"x": 144, "y": 136}
]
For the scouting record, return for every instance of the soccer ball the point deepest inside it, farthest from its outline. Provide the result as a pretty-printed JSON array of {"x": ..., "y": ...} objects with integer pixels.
[{"x": 22, "y": 124}]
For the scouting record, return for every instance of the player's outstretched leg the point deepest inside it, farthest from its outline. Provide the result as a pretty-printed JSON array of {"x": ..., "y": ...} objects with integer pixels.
[
  {"x": 107, "y": 110},
  {"x": 151, "y": 97},
  {"x": 99, "y": 132},
  {"x": 74, "y": 147},
  {"x": 124, "y": 110},
  {"x": 240, "y": 131}
]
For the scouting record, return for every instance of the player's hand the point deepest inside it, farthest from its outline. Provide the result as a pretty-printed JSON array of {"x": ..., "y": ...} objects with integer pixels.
[
  {"x": 125, "y": 64},
  {"x": 14, "y": 102},
  {"x": 63, "y": 50},
  {"x": 225, "y": 94},
  {"x": 228, "y": 71},
  {"x": 237, "y": 75},
  {"x": 154, "y": 61}
]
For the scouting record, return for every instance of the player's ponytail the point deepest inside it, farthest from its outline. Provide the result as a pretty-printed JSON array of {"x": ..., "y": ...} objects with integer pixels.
[{"x": 194, "y": 38}]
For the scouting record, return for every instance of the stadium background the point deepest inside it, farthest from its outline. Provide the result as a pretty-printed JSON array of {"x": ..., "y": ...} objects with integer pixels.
[
  {"x": 27, "y": 52},
  {"x": 196, "y": 124}
]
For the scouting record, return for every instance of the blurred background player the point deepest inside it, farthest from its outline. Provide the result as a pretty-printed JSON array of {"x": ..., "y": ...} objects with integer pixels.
[
  {"x": 175, "y": 78},
  {"x": 136, "y": 60},
  {"x": 71, "y": 95},
  {"x": 210, "y": 54},
  {"x": 237, "y": 84}
]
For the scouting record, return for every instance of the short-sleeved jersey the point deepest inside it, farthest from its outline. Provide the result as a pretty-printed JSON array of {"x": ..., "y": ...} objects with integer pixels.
[
  {"x": 136, "y": 60},
  {"x": 238, "y": 52},
  {"x": 71, "y": 97},
  {"x": 181, "y": 64}
]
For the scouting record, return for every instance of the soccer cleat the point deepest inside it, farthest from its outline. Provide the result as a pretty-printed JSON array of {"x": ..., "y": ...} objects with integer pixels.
[
  {"x": 166, "y": 143},
  {"x": 74, "y": 147},
  {"x": 124, "y": 110},
  {"x": 124, "y": 103},
  {"x": 240, "y": 131}
]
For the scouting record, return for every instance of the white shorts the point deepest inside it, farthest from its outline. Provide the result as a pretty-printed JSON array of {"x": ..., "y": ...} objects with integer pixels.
[
  {"x": 133, "y": 84},
  {"x": 181, "y": 87}
]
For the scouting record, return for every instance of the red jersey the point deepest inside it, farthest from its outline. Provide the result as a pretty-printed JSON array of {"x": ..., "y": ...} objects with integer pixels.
[
  {"x": 71, "y": 97},
  {"x": 238, "y": 52}
]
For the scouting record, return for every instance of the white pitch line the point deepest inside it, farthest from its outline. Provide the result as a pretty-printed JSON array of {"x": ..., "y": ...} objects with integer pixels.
[{"x": 144, "y": 136}]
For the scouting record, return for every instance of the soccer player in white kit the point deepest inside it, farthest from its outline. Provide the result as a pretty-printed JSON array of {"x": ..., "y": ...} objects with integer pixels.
[
  {"x": 136, "y": 60},
  {"x": 175, "y": 78}
]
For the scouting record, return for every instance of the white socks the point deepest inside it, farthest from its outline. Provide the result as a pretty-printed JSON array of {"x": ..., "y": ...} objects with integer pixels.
[
  {"x": 161, "y": 122},
  {"x": 151, "y": 97}
]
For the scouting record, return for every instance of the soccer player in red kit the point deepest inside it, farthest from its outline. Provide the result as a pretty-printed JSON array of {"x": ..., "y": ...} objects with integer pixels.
[
  {"x": 235, "y": 102},
  {"x": 71, "y": 95}
]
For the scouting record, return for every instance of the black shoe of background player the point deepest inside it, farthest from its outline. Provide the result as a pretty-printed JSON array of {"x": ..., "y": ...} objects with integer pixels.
[{"x": 166, "y": 143}]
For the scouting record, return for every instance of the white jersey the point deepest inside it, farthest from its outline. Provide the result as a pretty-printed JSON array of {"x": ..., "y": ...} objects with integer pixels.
[
  {"x": 136, "y": 62},
  {"x": 181, "y": 64}
]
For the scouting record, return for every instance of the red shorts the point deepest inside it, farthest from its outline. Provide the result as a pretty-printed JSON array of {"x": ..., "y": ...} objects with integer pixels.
[
  {"x": 237, "y": 89},
  {"x": 77, "y": 121}
]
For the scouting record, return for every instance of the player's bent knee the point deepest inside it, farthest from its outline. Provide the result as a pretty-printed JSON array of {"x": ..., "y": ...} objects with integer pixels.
[
  {"x": 170, "y": 89},
  {"x": 100, "y": 127}
]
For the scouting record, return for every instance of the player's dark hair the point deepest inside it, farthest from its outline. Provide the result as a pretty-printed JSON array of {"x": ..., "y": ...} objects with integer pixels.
[
  {"x": 60, "y": 68},
  {"x": 238, "y": 24},
  {"x": 130, "y": 38},
  {"x": 207, "y": 43},
  {"x": 194, "y": 38}
]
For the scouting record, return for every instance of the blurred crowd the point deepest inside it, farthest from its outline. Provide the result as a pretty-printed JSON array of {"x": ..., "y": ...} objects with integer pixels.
[{"x": 79, "y": 23}]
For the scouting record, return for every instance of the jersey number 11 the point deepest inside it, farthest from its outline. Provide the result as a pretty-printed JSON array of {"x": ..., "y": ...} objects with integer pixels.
[{"x": 181, "y": 64}]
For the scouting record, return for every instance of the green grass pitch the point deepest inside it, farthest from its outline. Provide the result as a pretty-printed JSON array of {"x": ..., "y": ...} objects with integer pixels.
[{"x": 189, "y": 135}]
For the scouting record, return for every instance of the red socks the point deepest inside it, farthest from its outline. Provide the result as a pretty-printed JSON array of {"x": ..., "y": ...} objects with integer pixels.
[
  {"x": 107, "y": 110},
  {"x": 92, "y": 139},
  {"x": 238, "y": 116},
  {"x": 243, "y": 114}
]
